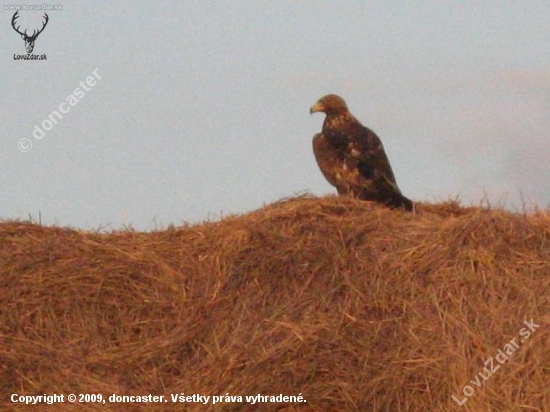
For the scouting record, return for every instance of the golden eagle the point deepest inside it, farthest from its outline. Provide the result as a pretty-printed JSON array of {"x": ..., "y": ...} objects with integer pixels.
[{"x": 352, "y": 157}]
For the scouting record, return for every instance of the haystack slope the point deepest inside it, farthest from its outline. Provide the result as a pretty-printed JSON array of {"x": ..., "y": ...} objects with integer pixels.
[{"x": 353, "y": 306}]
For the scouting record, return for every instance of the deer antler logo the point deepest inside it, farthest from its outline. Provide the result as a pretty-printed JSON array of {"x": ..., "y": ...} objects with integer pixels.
[{"x": 29, "y": 40}]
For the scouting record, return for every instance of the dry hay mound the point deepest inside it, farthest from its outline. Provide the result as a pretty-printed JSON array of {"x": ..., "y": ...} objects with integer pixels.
[{"x": 354, "y": 306}]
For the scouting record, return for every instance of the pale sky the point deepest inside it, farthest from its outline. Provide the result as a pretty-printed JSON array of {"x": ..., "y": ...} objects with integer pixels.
[{"x": 202, "y": 107}]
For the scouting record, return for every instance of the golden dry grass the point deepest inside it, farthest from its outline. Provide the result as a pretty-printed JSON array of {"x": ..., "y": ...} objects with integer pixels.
[{"x": 354, "y": 306}]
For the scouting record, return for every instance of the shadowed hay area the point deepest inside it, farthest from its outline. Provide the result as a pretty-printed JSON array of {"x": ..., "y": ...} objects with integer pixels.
[{"x": 353, "y": 306}]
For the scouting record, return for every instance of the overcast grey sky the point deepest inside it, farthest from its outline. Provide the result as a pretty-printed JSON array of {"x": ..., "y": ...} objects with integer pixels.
[{"x": 202, "y": 107}]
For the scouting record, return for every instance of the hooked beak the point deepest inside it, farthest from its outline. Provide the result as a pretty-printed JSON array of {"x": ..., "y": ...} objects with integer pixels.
[{"x": 317, "y": 107}]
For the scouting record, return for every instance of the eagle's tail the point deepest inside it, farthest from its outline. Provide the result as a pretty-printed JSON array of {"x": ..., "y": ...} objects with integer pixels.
[
  {"x": 401, "y": 202},
  {"x": 390, "y": 191}
]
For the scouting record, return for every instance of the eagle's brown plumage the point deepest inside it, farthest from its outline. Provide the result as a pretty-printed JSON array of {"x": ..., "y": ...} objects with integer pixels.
[{"x": 352, "y": 157}]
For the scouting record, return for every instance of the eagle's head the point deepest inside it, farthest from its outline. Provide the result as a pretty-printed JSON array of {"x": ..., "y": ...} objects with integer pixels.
[{"x": 330, "y": 104}]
